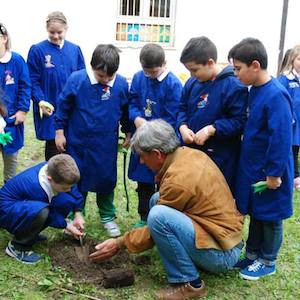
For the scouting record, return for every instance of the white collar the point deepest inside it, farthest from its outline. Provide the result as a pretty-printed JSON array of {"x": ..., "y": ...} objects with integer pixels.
[
  {"x": 45, "y": 183},
  {"x": 6, "y": 57},
  {"x": 60, "y": 45},
  {"x": 292, "y": 75},
  {"x": 163, "y": 75},
  {"x": 93, "y": 80}
]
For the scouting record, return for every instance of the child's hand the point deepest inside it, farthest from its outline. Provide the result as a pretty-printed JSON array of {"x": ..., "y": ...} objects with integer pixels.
[
  {"x": 273, "y": 182},
  {"x": 78, "y": 221},
  {"x": 187, "y": 134},
  {"x": 126, "y": 142},
  {"x": 204, "y": 134},
  {"x": 74, "y": 231},
  {"x": 60, "y": 140},
  {"x": 20, "y": 117},
  {"x": 46, "y": 111},
  {"x": 139, "y": 121}
]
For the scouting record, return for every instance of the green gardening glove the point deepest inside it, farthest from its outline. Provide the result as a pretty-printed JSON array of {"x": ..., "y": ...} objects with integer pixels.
[
  {"x": 5, "y": 138},
  {"x": 260, "y": 186}
]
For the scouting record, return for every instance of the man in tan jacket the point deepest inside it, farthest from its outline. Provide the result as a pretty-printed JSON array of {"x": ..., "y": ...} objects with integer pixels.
[{"x": 193, "y": 220}]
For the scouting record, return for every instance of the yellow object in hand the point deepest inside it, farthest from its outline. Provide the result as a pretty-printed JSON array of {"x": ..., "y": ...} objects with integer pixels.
[{"x": 47, "y": 105}]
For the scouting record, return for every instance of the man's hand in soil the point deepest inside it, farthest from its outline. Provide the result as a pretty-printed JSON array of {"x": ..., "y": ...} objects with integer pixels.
[
  {"x": 105, "y": 250},
  {"x": 74, "y": 231},
  {"x": 78, "y": 221}
]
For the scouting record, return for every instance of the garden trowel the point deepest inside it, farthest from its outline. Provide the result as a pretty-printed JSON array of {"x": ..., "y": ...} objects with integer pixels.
[{"x": 83, "y": 250}]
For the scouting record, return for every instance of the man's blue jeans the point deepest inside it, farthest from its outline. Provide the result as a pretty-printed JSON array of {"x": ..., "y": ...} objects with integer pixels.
[
  {"x": 174, "y": 236},
  {"x": 264, "y": 240}
]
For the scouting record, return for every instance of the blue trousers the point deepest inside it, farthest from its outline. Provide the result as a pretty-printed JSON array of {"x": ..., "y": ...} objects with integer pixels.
[
  {"x": 174, "y": 236},
  {"x": 264, "y": 240}
]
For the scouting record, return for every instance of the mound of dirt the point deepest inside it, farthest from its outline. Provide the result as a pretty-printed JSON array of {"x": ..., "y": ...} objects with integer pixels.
[{"x": 114, "y": 272}]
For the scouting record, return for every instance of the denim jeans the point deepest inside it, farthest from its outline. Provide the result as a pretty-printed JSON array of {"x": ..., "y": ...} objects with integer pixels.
[
  {"x": 264, "y": 240},
  {"x": 174, "y": 236}
]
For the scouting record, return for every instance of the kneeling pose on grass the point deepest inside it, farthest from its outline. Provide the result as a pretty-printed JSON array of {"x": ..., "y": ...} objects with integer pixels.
[
  {"x": 39, "y": 197},
  {"x": 193, "y": 220}
]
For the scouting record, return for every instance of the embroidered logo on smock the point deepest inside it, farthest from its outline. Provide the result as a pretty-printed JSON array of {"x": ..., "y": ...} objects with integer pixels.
[
  {"x": 293, "y": 85},
  {"x": 9, "y": 78},
  {"x": 203, "y": 101},
  {"x": 148, "y": 108},
  {"x": 106, "y": 93},
  {"x": 48, "y": 63}
]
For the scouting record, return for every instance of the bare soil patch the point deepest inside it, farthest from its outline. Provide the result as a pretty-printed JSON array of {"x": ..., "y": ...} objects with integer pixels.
[{"x": 69, "y": 255}]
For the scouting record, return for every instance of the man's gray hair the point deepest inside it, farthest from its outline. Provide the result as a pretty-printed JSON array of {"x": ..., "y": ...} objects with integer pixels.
[{"x": 155, "y": 134}]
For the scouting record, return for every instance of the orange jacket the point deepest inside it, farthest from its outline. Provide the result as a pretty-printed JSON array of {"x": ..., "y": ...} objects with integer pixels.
[{"x": 191, "y": 183}]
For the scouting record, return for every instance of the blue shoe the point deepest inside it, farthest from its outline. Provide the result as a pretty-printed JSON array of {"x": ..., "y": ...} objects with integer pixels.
[
  {"x": 257, "y": 270},
  {"x": 26, "y": 257},
  {"x": 243, "y": 263}
]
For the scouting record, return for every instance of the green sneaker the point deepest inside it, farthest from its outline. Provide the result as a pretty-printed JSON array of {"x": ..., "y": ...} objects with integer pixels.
[{"x": 141, "y": 223}]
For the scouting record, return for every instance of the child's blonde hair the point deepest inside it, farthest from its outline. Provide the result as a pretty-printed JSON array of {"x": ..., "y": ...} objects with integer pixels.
[
  {"x": 56, "y": 16},
  {"x": 288, "y": 68}
]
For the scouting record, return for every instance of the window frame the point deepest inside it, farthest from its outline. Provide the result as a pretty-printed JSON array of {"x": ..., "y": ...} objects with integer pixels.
[{"x": 145, "y": 19}]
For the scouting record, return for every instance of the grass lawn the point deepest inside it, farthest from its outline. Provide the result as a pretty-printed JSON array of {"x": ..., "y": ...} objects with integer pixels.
[{"x": 42, "y": 281}]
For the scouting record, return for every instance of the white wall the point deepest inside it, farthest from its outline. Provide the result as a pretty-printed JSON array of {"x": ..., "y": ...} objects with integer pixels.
[{"x": 91, "y": 22}]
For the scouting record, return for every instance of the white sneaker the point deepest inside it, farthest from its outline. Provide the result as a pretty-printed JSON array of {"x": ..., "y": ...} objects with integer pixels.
[{"x": 112, "y": 229}]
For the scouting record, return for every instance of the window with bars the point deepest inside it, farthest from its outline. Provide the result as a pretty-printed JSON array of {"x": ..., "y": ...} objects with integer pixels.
[{"x": 146, "y": 21}]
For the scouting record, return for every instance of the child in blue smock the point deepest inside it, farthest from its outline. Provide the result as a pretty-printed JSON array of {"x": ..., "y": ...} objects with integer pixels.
[
  {"x": 15, "y": 84},
  {"x": 39, "y": 197},
  {"x": 290, "y": 79},
  {"x": 213, "y": 107},
  {"x": 50, "y": 64},
  {"x": 266, "y": 155},
  {"x": 154, "y": 93},
  {"x": 89, "y": 110}
]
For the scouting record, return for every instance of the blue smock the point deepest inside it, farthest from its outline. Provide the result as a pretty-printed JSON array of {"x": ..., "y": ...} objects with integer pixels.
[
  {"x": 223, "y": 103},
  {"x": 152, "y": 99},
  {"x": 292, "y": 84},
  {"x": 15, "y": 83},
  {"x": 23, "y": 197},
  {"x": 49, "y": 67},
  {"x": 266, "y": 151},
  {"x": 90, "y": 114}
]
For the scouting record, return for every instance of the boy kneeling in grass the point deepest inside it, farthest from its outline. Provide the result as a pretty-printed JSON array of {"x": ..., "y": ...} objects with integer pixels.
[{"x": 39, "y": 197}]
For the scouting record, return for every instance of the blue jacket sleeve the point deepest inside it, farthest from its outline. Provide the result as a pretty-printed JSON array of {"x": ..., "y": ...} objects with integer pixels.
[
  {"x": 182, "y": 117},
  {"x": 279, "y": 115},
  {"x": 56, "y": 220},
  {"x": 81, "y": 63},
  {"x": 134, "y": 101},
  {"x": 172, "y": 101},
  {"x": 235, "y": 109},
  {"x": 65, "y": 103},
  {"x": 62, "y": 205},
  {"x": 126, "y": 124},
  {"x": 24, "y": 87},
  {"x": 35, "y": 70}
]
